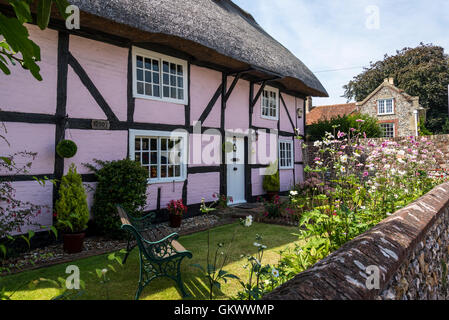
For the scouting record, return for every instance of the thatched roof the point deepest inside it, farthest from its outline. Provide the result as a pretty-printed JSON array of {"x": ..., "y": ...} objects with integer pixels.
[{"x": 218, "y": 25}]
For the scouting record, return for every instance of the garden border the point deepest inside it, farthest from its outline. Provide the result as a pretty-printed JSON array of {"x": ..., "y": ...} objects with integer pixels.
[{"x": 406, "y": 246}]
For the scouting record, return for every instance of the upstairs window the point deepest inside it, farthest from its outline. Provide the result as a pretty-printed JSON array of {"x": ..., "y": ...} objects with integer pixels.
[
  {"x": 159, "y": 77},
  {"x": 286, "y": 154},
  {"x": 270, "y": 104},
  {"x": 388, "y": 130},
  {"x": 162, "y": 154},
  {"x": 385, "y": 106}
]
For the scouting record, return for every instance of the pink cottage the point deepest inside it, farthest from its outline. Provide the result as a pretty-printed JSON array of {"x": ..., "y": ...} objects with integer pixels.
[{"x": 141, "y": 74}]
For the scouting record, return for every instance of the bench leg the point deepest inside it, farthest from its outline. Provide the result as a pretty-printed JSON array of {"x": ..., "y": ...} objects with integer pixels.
[
  {"x": 129, "y": 248},
  {"x": 179, "y": 281}
]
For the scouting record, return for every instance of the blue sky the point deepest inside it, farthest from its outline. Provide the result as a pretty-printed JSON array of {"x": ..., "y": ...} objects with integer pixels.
[{"x": 343, "y": 34}]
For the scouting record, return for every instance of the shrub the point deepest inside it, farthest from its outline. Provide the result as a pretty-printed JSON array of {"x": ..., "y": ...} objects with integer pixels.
[
  {"x": 71, "y": 208},
  {"x": 66, "y": 149},
  {"x": 370, "y": 126},
  {"x": 119, "y": 182},
  {"x": 271, "y": 182}
]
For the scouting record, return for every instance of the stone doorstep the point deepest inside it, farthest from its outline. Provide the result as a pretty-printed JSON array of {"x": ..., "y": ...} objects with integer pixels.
[{"x": 97, "y": 252}]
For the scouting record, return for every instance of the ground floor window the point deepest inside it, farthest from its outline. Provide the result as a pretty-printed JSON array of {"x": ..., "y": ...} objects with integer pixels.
[
  {"x": 388, "y": 130},
  {"x": 286, "y": 154},
  {"x": 163, "y": 154}
]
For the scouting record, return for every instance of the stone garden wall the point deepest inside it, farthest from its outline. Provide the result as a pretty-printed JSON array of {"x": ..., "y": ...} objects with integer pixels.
[{"x": 409, "y": 250}]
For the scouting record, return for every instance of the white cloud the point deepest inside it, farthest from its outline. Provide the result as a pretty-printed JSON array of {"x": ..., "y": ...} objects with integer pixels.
[{"x": 332, "y": 34}]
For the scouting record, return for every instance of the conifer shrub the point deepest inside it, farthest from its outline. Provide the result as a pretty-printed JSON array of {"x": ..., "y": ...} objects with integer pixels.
[{"x": 72, "y": 212}]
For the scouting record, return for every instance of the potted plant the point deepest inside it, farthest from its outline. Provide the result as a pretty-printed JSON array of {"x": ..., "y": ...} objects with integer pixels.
[
  {"x": 176, "y": 209},
  {"x": 72, "y": 212},
  {"x": 271, "y": 183}
]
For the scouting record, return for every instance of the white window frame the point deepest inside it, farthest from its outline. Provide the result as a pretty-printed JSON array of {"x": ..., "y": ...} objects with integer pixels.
[
  {"x": 276, "y": 91},
  {"x": 394, "y": 129},
  {"x": 385, "y": 107},
  {"x": 158, "y": 56},
  {"x": 292, "y": 155},
  {"x": 133, "y": 134}
]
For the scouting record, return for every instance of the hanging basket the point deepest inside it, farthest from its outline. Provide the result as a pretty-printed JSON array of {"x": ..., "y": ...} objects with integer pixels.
[{"x": 66, "y": 149}]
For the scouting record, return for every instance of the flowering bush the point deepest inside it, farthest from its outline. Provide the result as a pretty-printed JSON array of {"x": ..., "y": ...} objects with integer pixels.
[
  {"x": 353, "y": 184},
  {"x": 176, "y": 208},
  {"x": 222, "y": 200}
]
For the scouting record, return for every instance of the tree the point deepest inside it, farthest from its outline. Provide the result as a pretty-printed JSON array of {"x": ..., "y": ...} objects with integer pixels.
[
  {"x": 422, "y": 71},
  {"x": 16, "y": 46}
]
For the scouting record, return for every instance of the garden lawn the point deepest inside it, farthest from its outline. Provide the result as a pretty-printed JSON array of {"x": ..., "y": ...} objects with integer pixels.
[{"x": 124, "y": 281}]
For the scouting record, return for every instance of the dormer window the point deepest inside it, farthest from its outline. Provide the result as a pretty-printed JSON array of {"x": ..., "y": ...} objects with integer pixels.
[{"x": 385, "y": 106}]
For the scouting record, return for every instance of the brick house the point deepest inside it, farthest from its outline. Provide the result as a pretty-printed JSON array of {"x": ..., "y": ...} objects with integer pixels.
[
  {"x": 328, "y": 112},
  {"x": 399, "y": 114}
]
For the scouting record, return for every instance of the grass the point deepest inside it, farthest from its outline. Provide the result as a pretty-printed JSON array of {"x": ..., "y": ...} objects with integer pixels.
[{"x": 124, "y": 281}]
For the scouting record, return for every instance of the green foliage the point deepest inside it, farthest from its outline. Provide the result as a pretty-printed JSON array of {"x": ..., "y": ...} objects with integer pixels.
[
  {"x": 72, "y": 211},
  {"x": 422, "y": 71},
  {"x": 121, "y": 182},
  {"x": 423, "y": 131},
  {"x": 16, "y": 46},
  {"x": 271, "y": 183},
  {"x": 66, "y": 149},
  {"x": 370, "y": 126}
]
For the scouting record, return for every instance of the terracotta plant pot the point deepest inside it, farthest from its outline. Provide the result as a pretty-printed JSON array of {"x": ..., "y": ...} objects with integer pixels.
[
  {"x": 73, "y": 242},
  {"x": 271, "y": 195},
  {"x": 175, "y": 221}
]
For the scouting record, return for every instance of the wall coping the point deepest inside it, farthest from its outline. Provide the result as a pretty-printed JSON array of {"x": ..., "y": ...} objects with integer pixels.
[{"x": 342, "y": 274}]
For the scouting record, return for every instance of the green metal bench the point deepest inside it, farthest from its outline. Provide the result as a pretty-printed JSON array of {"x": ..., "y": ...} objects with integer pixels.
[{"x": 160, "y": 255}]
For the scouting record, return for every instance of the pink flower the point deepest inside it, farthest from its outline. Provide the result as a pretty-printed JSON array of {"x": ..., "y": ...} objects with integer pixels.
[
  {"x": 360, "y": 120},
  {"x": 365, "y": 174}
]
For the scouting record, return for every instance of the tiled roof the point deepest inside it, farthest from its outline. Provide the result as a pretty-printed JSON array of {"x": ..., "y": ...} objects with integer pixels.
[{"x": 329, "y": 112}]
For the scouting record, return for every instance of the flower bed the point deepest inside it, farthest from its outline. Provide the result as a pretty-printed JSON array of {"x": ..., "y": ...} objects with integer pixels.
[{"x": 353, "y": 184}]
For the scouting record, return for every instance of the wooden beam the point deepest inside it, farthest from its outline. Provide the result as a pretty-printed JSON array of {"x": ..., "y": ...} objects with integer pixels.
[
  {"x": 92, "y": 88},
  {"x": 231, "y": 88},
  {"x": 211, "y": 104},
  {"x": 259, "y": 93},
  {"x": 288, "y": 113}
]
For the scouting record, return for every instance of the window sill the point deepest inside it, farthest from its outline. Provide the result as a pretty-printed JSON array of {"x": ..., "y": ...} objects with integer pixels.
[
  {"x": 162, "y": 181},
  {"x": 180, "y": 102},
  {"x": 269, "y": 118},
  {"x": 286, "y": 168},
  {"x": 385, "y": 114}
]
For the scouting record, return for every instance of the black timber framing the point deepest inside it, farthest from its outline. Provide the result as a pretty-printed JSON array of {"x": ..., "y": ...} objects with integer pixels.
[
  {"x": 61, "y": 106},
  {"x": 223, "y": 166},
  {"x": 187, "y": 107},
  {"x": 259, "y": 93},
  {"x": 288, "y": 113},
  {"x": 233, "y": 84},
  {"x": 92, "y": 88},
  {"x": 211, "y": 104},
  {"x": 204, "y": 169},
  {"x": 62, "y": 122},
  {"x": 130, "y": 89}
]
